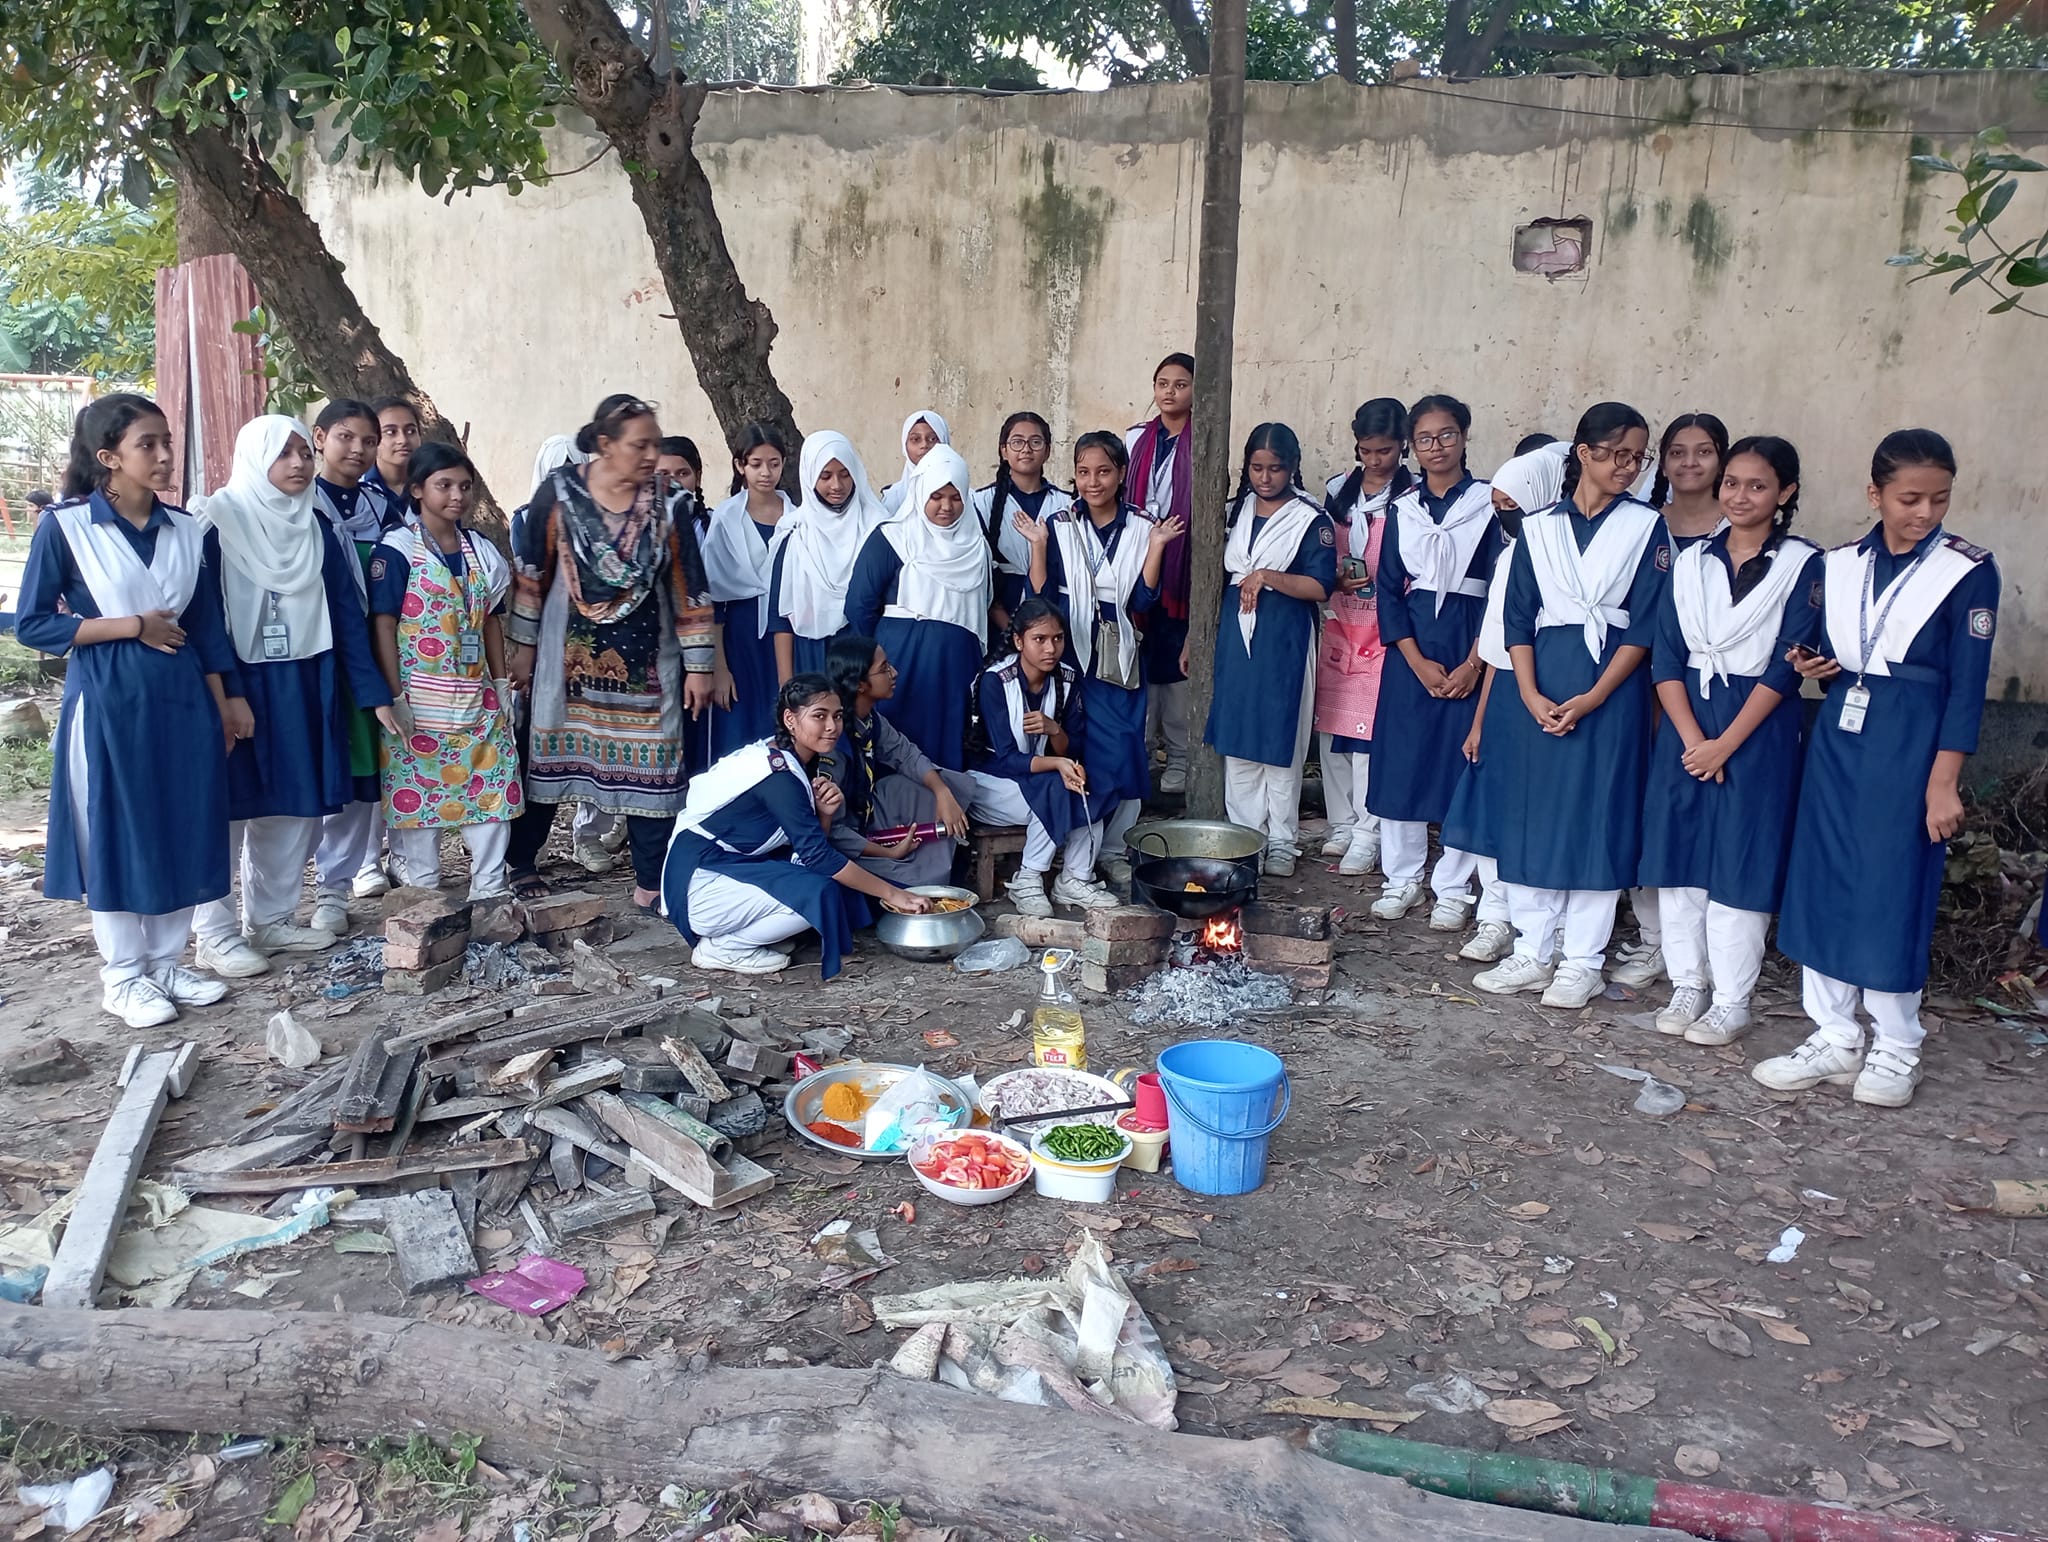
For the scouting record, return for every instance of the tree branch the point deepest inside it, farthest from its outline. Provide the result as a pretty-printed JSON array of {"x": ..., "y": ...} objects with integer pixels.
[{"x": 1193, "y": 36}]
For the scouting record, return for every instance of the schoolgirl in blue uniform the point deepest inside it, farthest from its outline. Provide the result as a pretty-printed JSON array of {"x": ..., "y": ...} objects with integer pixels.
[
  {"x": 1020, "y": 487},
  {"x": 750, "y": 867},
  {"x": 1099, "y": 563},
  {"x": 1027, "y": 754},
  {"x": 129, "y": 588},
  {"x": 1439, "y": 551},
  {"x": 888, "y": 782},
  {"x": 811, "y": 559},
  {"x": 1908, "y": 614},
  {"x": 1162, "y": 482},
  {"x": 1280, "y": 566},
  {"x": 1532, "y": 480},
  {"x": 1580, "y": 612},
  {"x": 300, "y": 632},
  {"x": 921, "y": 588},
  {"x": 1724, "y": 766},
  {"x": 737, "y": 562}
]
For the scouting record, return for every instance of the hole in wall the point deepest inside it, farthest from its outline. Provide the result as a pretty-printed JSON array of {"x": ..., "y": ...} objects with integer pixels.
[{"x": 1553, "y": 246}]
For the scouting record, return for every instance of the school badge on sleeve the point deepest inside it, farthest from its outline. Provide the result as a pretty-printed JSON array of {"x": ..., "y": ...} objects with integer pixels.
[
  {"x": 1983, "y": 623},
  {"x": 1326, "y": 535},
  {"x": 1664, "y": 558}
]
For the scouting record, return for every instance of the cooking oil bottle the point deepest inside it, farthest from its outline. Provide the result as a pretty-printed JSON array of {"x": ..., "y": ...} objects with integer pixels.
[{"x": 1058, "y": 1036}]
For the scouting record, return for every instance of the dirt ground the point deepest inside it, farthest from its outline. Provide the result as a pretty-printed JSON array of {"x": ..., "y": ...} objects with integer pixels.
[{"x": 1460, "y": 1201}]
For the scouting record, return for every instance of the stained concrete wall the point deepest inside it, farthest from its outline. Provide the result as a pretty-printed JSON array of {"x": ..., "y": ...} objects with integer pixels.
[{"x": 979, "y": 254}]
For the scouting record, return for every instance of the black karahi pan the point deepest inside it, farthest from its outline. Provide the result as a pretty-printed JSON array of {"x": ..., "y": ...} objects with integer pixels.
[{"x": 1224, "y": 885}]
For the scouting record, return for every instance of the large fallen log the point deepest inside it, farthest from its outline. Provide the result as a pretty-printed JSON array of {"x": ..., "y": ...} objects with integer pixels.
[{"x": 950, "y": 1456}]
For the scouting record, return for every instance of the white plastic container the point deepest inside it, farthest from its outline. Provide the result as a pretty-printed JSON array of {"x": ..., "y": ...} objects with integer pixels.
[{"x": 1089, "y": 1183}]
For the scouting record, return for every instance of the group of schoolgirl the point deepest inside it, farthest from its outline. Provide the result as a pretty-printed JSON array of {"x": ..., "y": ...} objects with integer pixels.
[
  {"x": 1587, "y": 675},
  {"x": 312, "y": 651}
]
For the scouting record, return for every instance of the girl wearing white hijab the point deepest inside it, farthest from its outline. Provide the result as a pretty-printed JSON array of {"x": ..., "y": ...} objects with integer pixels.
[
  {"x": 297, "y": 626},
  {"x": 923, "y": 430},
  {"x": 813, "y": 553},
  {"x": 921, "y": 589}
]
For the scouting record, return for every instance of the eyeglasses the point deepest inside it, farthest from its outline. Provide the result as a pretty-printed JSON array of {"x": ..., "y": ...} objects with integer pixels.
[
  {"x": 1624, "y": 460},
  {"x": 886, "y": 667},
  {"x": 1033, "y": 443},
  {"x": 1447, "y": 440}
]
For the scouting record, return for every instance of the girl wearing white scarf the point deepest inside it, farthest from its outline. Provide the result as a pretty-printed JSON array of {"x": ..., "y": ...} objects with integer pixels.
[
  {"x": 299, "y": 631},
  {"x": 1280, "y": 562},
  {"x": 740, "y": 568},
  {"x": 921, "y": 589},
  {"x": 814, "y": 550},
  {"x": 923, "y": 432}
]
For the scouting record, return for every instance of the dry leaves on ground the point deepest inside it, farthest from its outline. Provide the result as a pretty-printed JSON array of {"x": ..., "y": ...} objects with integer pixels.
[
  {"x": 1524, "y": 1418},
  {"x": 1328, "y": 1408},
  {"x": 1697, "y": 1461}
]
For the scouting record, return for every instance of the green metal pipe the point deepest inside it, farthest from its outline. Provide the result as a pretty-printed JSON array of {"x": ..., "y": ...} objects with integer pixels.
[{"x": 1525, "y": 1482}]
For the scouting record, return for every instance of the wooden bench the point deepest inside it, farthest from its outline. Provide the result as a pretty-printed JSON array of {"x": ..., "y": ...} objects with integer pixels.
[{"x": 985, "y": 843}]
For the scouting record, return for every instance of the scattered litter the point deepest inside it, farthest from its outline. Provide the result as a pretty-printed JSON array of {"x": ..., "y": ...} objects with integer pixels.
[
  {"x": 71, "y": 1505},
  {"x": 364, "y": 1242},
  {"x": 849, "y": 1256},
  {"x": 1554, "y": 1265},
  {"x": 1450, "y": 1393},
  {"x": 1788, "y": 1246},
  {"x": 290, "y": 1045},
  {"x": 1212, "y": 993},
  {"x": 1697, "y": 1461},
  {"x": 994, "y": 956},
  {"x": 1822, "y": 1197},
  {"x": 242, "y": 1450},
  {"x": 20, "y": 1285},
  {"x": 533, "y": 1287},
  {"x": 1657, "y": 1099},
  {"x": 1916, "y": 1329}
]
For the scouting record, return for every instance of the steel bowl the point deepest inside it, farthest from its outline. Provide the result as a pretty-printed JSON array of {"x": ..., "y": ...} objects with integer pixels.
[
  {"x": 1154, "y": 838},
  {"x": 1225, "y": 885},
  {"x": 804, "y": 1104},
  {"x": 933, "y": 936}
]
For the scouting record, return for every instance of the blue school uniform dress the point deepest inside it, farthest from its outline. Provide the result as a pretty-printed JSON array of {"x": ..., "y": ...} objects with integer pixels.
[
  {"x": 753, "y": 818},
  {"x": 929, "y": 636},
  {"x": 1103, "y": 643},
  {"x": 1571, "y": 806},
  {"x": 736, "y": 561},
  {"x": 396, "y": 501},
  {"x": 1472, "y": 822},
  {"x": 156, "y": 773},
  {"x": 1001, "y": 749},
  {"x": 1436, "y": 557},
  {"x": 1724, "y": 633},
  {"x": 1861, "y": 887},
  {"x": 297, "y": 764},
  {"x": 1258, "y": 712},
  {"x": 1012, "y": 553},
  {"x": 808, "y": 651}
]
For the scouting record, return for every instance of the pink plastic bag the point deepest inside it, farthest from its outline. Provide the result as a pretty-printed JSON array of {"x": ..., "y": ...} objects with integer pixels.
[{"x": 533, "y": 1287}]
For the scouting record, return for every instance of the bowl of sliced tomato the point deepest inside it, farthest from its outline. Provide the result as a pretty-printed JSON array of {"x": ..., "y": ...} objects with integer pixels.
[{"x": 971, "y": 1167}]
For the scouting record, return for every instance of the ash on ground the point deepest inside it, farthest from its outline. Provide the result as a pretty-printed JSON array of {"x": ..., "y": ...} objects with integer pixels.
[{"x": 1208, "y": 993}]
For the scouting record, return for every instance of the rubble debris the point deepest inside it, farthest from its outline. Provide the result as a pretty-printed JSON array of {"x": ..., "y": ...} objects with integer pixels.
[{"x": 36, "y": 1065}]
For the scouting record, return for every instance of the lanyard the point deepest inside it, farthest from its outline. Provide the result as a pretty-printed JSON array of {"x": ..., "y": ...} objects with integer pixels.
[{"x": 1897, "y": 587}]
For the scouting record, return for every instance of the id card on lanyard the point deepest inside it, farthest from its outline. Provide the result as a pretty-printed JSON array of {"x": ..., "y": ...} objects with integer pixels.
[
  {"x": 1856, "y": 699},
  {"x": 469, "y": 641},
  {"x": 277, "y": 637}
]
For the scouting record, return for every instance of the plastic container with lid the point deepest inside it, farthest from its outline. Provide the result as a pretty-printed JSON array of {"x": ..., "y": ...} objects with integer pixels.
[
  {"x": 1089, "y": 1183},
  {"x": 1148, "y": 1142}
]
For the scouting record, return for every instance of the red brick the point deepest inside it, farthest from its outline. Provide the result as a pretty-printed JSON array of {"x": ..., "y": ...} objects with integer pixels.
[
  {"x": 428, "y": 920},
  {"x": 422, "y": 982},
  {"x": 1148, "y": 951},
  {"x": 424, "y": 955},
  {"x": 1311, "y": 923},
  {"x": 1310, "y": 977},
  {"x": 1039, "y": 931},
  {"x": 1287, "y": 950},
  {"x": 1130, "y": 923},
  {"x": 559, "y": 912},
  {"x": 1108, "y": 979},
  {"x": 597, "y": 933},
  {"x": 501, "y": 919}
]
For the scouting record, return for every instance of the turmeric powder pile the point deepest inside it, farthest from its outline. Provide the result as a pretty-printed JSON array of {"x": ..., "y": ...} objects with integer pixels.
[{"x": 844, "y": 1101}]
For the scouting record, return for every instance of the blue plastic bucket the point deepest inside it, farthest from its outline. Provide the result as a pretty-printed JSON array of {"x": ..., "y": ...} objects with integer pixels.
[{"x": 1223, "y": 1101}]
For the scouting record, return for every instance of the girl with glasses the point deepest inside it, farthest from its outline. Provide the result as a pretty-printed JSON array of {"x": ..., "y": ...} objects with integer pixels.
[
  {"x": 1580, "y": 613},
  {"x": 1020, "y": 487}
]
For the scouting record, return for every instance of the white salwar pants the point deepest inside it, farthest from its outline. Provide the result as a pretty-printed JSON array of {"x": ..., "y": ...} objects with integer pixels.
[
  {"x": 350, "y": 843},
  {"x": 130, "y": 945},
  {"x": 1119, "y": 823},
  {"x": 1404, "y": 849},
  {"x": 1588, "y": 916},
  {"x": 1649, "y": 915},
  {"x": 1166, "y": 722},
  {"x": 271, "y": 855},
  {"x": 1345, "y": 777},
  {"x": 416, "y": 854},
  {"x": 723, "y": 909},
  {"x": 1268, "y": 798},
  {"x": 1493, "y": 894},
  {"x": 593, "y": 823},
  {"x": 998, "y": 800},
  {"x": 1705, "y": 940},
  {"x": 1831, "y": 1003}
]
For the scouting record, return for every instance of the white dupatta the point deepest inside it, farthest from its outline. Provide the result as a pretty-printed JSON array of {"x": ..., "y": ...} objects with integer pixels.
[
  {"x": 1585, "y": 589},
  {"x": 1725, "y": 636},
  {"x": 1274, "y": 548}
]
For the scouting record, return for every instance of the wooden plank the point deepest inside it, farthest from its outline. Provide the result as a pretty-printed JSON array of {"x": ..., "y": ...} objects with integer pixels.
[
  {"x": 485, "y": 1051},
  {"x": 589, "y": 1214},
  {"x": 689, "y": 1059},
  {"x": 433, "y": 1248},
  {"x": 574, "y": 1084},
  {"x": 357, "y": 1101},
  {"x": 565, "y": 1164},
  {"x": 743, "y": 1179},
  {"x": 467, "y": 1108},
  {"x": 673, "y": 1158},
  {"x": 81, "y": 1261},
  {"x": 418, "y": 1164},
  {"x": 503, "y": 1186},
  {"x": 303, "y": 1110},
  {"x": 270, "y": 1151},
  {"x": 408, "y": 1115},
  {"x": 565, "y": 1124},
  {"x": 454, "y": 1027},
  {"x": 524, "y": 1071}
]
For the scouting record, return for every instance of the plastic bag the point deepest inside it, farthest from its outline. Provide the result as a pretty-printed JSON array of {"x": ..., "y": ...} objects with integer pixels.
[
  {"x": 69, "y": 1506},
  {"x": 912, "y": 1107},
  {"x": 992, "y": 956},
  {"x": 289, "y": 1044}
]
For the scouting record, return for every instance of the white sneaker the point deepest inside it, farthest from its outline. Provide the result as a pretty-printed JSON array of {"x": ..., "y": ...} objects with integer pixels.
[
  {"x": 1494, "y": 940},
  {"x": 737, "y": 959},
  {"x": 1027, "y": 893},
  {"x": 1451, "y": 913},
  {"x": 284, "y": 937},
  {"x": 1572, "y": 987},
  {"x": 1082, "y": 892},
  {"x": 231, "y": 960},
  {"x": 1336, "y": 841},
  {"x": 1397, "y": 901},
  {"x": 591, "y": 856},
  {"x": 1116, "y": 869},
  {"x": 614, "y": 839},
  {"x": 1361, "y": 853},
  {"x": 1817, "y": 1060},
  {"x": 1516, "y": 972},
  {"x": 1888, "y": 1077},
  {"x": 1720, "y": 1025},
  {"x": 330, "y": 915},
  {"x": 187, "y": 987},
  {"x": 1637, "y": 964},
  {"x": 1173, "y": 779},
  {"x": 139, "y": 1003},
  {"x": 1687, "y": 1002},
  {"x": 1280, "y": 864},
  {"x": 371, "y": 884}
]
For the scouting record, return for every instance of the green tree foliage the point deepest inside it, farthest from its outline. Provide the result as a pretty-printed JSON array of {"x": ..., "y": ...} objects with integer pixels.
[
  {"x": 737, "y": 39},
  {"x": 2012, "y": 268},
  {"x": 78, "y": 281}
]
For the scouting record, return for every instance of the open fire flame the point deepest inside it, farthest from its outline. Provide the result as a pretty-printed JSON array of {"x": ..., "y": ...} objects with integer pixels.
[{"x": 1223, "y": 934}]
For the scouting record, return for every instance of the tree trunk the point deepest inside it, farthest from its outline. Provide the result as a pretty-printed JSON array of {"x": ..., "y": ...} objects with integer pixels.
[
  {"x": 1215, "y": 334},
  {"x": 199, "y": 234},
  {"x": 1466, "y": 53},
  {"x": 227, "y": 186},
  {"x": 950, "y": 1456},
  {"x": 1346, "y": 21},
  {"x": 1187, "y": 27},
  {"x": 651, "y": 122}
]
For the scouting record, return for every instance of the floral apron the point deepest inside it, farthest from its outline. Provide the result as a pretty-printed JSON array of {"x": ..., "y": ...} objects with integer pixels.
[{"x": 458, "y": 765}]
